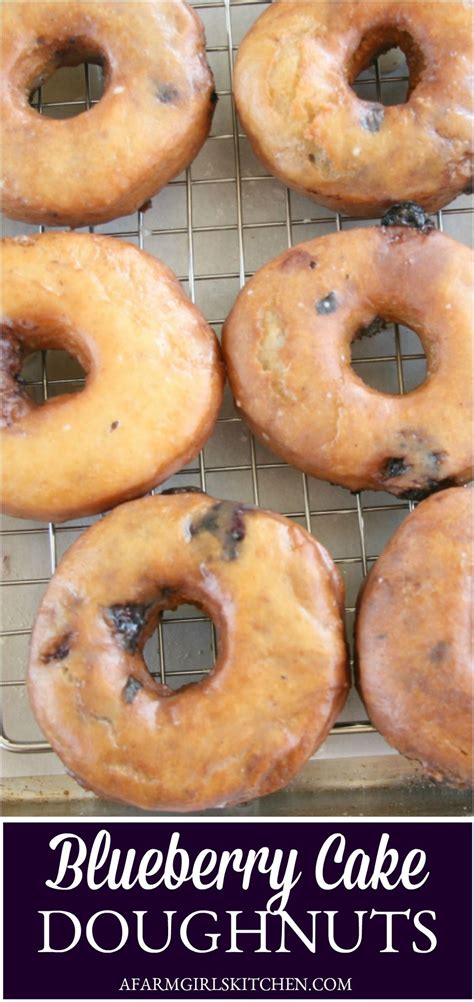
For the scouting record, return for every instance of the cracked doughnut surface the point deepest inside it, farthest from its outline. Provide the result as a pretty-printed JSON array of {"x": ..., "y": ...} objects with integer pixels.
[
  {"x": 308, "y": 126},
  {"x": 281, "y": 677},
  {"x": 149, "y": 124},
  {"x": 287, "y": 349},
  {"x": 413, "y": 636},
  {"x": 154, "y": 375}
]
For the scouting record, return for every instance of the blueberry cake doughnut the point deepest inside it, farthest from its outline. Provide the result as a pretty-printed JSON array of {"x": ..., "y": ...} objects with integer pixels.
[
  {"x": 287, "y": 347},
  {"x": 414, "y": 635},
  {"x": 292, "y": 84},
  {"x": 153, "y": 118},
  {"x": 281, "y": 677},
  {"x": 154, "y": 376}
]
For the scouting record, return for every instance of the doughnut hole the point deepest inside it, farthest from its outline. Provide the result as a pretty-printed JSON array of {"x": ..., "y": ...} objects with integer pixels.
[
  {"x": 31, "y": 377},
  {"x": 391, "y": 87},
  {"x": 66, "y": 79},
  {"x": 46, "y": 374},
  {"x": 184, "y": 647},
  {"x": 392, "y": 44},
  {"x": 389, "y": 357},
  {"x": 70, "y": 92}
]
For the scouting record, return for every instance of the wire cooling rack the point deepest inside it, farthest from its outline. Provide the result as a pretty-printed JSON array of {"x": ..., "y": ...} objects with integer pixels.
[{"x": 215, "y": 225}]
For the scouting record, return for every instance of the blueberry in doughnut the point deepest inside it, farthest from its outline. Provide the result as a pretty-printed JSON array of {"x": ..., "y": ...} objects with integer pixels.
[
  {"x": 292, "y": 84},
  {"x": 287, "y": 344},
  {"x": 154, "y": 375},
  {"x": 151, "y": 121},
  {"x": 281, "y": 676},
  {"x": 414, "y": 632}
]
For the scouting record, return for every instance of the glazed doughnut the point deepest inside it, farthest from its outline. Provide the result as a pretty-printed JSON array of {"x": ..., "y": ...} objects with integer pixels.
[
  {"x": 414, "y": 637},
  {"x": 153, "y": 118},
  {"x": 293, "y": 91},
  {"x": 279, "y": 682},
  {"x": 154, "y": 375},
  {"x": 287, "y": 348}
]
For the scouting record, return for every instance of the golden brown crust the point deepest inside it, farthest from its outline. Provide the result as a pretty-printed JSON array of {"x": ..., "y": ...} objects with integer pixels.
[
  {"x": 154, "y": 115},
  {"x": 154, "y": 383},
  {"x": 279, "y": 683},
  {"x": 414, "y": 636},
  {"x": 287, "y": 349},
  {"x": 307, "y": 125}
]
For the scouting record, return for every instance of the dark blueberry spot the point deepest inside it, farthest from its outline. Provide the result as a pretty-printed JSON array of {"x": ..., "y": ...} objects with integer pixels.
[
  {"x": 182, "y": 490},
  {"x": 407, "y": 214},
  {"x": 430, "y": 487},
  {"x": 130, "y": 689},
  {"x": 327, "y": 305},
  {"x": 225, "y": 521},
  {"x": 236, "y": 533},
  {"x": 127, "y": 623},
  {"x": 114, "y": 425},
  {"x": 414, "y": 495},
  {"x": 441, "y": 485},
  {"x": 166, "y": 593},
  {"x": 312, "y": 158},
  {"x": 72, "y": 40},
  {"x": 167, "y": 94},
  {"x": 41, "y": 40},
  {"x": 214, "y": 97},
  {"x": 60, "y": 651},
  {"x": 439, "y": 652},
  {"x": 372, "y": 120},
  {"x": 376, "y": 325},
  {"x": 313, "y": 264},
  {"x": 394, "y": 467}
]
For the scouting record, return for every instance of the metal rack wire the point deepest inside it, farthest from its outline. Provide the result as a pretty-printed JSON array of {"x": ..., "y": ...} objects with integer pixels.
[{"x": 318, "y": 504}]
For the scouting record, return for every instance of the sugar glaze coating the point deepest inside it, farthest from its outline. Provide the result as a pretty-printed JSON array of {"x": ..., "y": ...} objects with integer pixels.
[
  {"x": 308, "y": 126},
  {"x": 151, "y": 121},
  {"x": 287, "y": 347},
  {"x": 414, "y": 632},
  {"x": 281, "y": 677},
  {"x": 154, "y": 375}
]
